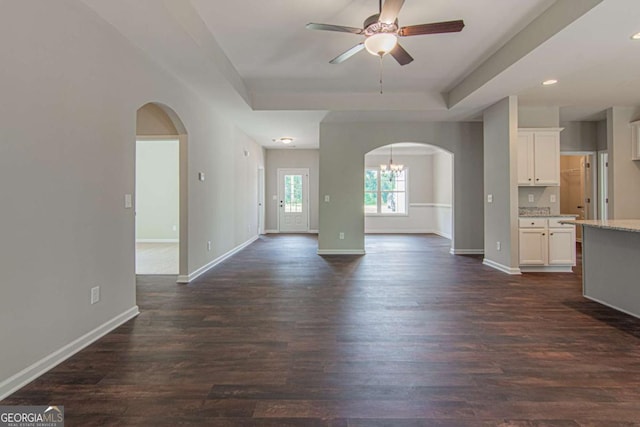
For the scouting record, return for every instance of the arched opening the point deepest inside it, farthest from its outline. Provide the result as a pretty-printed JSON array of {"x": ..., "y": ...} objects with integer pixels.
[
  {"x": 161, "y": 191},
  {"x": 416, "y": 197}
]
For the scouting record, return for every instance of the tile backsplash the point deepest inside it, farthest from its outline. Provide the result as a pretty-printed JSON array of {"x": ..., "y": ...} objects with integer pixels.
[{"x": 537, "y": 211}]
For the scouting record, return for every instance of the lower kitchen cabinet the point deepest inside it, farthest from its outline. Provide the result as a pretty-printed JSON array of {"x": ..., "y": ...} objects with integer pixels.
[{"x": 546, "y": 245}]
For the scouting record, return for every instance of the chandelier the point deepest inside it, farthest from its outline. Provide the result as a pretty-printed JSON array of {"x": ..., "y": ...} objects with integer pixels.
[{"x": 394, "y": 168}]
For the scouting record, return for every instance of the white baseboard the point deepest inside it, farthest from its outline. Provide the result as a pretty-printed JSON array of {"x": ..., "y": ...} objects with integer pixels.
[
  {"x": 453, "y": 251},
  {"x": 400, "y": 231},
  {"x": 341, "y": 252},
  {"x": 199, "y": 272},
  {"x": 501, "y": 267},
  {"x": 546, "y": 269},
  {"x": 157, "y": 241},
  {"x": 30, "y": 373},
  {"x": 311, "y": 231}
]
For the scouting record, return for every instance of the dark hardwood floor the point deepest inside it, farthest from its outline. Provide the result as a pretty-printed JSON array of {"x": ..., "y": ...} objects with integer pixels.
[{"x": 405, "y": 336}]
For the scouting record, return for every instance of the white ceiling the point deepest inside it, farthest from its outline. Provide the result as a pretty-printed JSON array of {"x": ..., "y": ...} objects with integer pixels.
[{"x": 272, "y": 76}]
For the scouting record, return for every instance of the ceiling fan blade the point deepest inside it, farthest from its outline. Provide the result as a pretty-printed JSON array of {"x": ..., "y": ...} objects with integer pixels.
[
  {"x": 339, "y": 28},
  {"x": 433, "y": 28},
  {"x": 390, "y": 11},
  {"x": 401, "y": 55},
  {"x": 348, "y": 54}
]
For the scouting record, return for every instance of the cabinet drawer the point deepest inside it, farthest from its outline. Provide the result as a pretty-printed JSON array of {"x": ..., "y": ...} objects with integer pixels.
[
  {"x": 532, "y": 222},
  {"x": 555, "y": 223}
]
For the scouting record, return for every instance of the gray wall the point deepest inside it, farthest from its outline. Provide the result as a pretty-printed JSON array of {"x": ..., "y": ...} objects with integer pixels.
[
  {"x": 342, "y": 150},
  {"x": 290, "y": 158},
  {"x": 624, "y": 173},
  {"x": 578, "y": 136},
  {"x": 501, "y": 181},
  {"x": 601, "y": 135},
  {"x": 67, "y": 158},
  {"x": 538, "y": 117}
]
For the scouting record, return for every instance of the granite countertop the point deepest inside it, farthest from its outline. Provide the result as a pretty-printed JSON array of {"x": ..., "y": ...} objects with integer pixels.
[
  {"x": 632, "y": 225},
  {"x": 548, "y": 216}
]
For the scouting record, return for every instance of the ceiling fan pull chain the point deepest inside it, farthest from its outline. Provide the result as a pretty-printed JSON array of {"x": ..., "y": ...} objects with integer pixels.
[{"x": 381, "y": 74}]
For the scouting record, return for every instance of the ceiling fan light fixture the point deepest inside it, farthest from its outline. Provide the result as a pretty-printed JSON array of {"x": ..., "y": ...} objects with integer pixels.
[
  {"x": 284, "y": 140},
  {"x": 381, "y": 43}
]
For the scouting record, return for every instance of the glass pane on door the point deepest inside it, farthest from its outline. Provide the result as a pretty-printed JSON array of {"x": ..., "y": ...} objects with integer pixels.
[{"x": 292, "y": 193}]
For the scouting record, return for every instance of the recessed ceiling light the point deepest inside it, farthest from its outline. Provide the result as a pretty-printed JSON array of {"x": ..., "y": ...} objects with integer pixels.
[
  {"x": 636, "y": 36},
  {"x": 284, "y": 140},
  {"x": 549, "y": 82}
]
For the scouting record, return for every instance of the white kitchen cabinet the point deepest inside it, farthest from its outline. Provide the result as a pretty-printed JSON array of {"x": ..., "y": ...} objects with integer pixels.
[
  {"x": 539, "y": 157},
  {"x": 546, "y": 245},
  {"x": 635, "y": 140},
  {"x": 562, "y": 246},
  {"x": 533, "y": 246}
]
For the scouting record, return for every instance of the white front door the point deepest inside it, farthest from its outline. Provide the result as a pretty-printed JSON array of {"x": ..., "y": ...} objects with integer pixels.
[{"x": 293, "y": 200}]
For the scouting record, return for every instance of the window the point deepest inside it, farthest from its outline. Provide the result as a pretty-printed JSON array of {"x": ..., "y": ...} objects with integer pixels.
[{"x": 385, "y": 192}]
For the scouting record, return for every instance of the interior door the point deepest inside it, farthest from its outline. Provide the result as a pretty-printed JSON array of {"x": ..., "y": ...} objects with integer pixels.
[
  {"x": 260, "y": 200},
  {"x": 293, "y": 200}
]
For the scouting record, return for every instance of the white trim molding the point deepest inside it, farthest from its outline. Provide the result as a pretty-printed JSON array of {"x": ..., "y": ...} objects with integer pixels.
[
  {"x": 30, "y": 373},
  {"x": 199, "y": 272},
  {"x": 454, "y": 251},
  {"x": 157, "y": 241},
  {"x": 313, "y": 231},
  {"x": 429, "y": 205},
  {"x": 546, "y": 269},
  {"x": 341, "y": 252},
  {"x": 271, "y": 231},
  {"x": 401, "y": 231},
  {"x": 501, "y": 267}
]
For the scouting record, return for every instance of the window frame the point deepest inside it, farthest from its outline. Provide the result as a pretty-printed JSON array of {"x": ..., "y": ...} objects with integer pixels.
[{"x": 379, "y": 192}]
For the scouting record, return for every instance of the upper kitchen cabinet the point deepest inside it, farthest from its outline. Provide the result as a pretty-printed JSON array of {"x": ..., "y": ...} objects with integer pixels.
[
  {"x": 539, "y": 157},
  {"x": 635, "y": 140}
]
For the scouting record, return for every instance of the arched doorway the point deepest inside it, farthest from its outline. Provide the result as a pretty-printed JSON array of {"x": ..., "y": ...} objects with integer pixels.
[
  {"x": 161, "y": 191},
  {"x": 415, "y": 199}
]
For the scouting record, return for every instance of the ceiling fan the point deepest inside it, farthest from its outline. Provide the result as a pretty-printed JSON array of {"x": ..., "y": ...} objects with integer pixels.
[{"x": 381, "y": 33}]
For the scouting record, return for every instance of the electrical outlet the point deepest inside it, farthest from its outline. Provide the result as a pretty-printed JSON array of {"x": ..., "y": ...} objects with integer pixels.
[
  {"x": 498, "y": 247},
  {"x": 174, "y": 228},
  {"x": 341, "y": 236},
  {"x": 552, "y": 198},
  {"x": 209, "y": 245},
  {"x": 95, "y": 294},
  {"x": 490, "y": 198},
  {"x": 327, "y": 198},
  {"x": 531, "y": 198}
]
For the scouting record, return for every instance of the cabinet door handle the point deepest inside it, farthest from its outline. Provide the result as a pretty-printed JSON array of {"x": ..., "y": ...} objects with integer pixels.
[
  {"x": 543, "y": 234},
  {"x": 537, "y": 179},
  {"x": 529, "y": 179},
  {"x": 550, "y": 234},
  {"x": 533, "y": 223}
]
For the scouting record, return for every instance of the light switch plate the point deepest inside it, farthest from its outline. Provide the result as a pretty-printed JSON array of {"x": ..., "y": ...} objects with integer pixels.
[
  {"x": 490, "y": 198},
  {"x": 327, "y": 198},
  {"x": 201, "y": 176},
  {"x": 128, "y": 201}
]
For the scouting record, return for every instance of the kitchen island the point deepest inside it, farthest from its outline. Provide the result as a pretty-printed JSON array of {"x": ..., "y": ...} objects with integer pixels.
[{"x": 611, "y": 263}]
